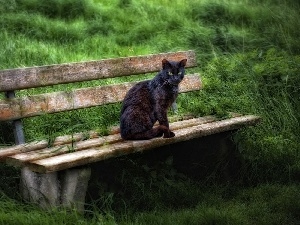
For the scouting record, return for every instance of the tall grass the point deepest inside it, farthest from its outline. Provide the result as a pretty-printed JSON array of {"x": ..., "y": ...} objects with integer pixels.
[
  {"x": 265, "y": 204},
  {"x": 248, "y": 56},
  {"x": 268, "y": 81}
]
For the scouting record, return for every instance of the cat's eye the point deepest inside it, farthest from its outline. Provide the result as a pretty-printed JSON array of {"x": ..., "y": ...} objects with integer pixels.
[
  {"x": 170, "y": 73},
  {"x": 179, "y": 73}
]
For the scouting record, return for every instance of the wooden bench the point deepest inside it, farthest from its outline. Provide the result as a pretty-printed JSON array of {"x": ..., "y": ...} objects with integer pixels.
[{"x": 59, "y": 174}]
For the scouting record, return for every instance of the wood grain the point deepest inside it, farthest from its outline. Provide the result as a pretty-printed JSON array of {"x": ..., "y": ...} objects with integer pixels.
[
  {"x": 20, "y": 158},
  {"x": 39, "y": 76},
  {"x": 78, "y": 158},
  {"x": 34, "y": 105},
  {"x": 86, "y": 135}
]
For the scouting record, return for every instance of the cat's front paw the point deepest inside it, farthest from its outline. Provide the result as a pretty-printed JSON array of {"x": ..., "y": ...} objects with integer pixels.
[
  {"x": 169, "y": 135},
  {"x": 172, "y": 134}
]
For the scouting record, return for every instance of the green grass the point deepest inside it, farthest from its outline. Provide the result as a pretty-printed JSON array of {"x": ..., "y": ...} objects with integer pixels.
[
  {"x": 264, "y": 204},
  {"x": 248, "y": 55},
  {"x": 216, "y": 208}
]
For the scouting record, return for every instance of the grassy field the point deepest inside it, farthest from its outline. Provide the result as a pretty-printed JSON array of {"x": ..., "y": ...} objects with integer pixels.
[{"x": 249, "y": 58}]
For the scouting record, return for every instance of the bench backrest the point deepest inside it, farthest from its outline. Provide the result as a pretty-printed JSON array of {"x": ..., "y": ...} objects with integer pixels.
[{"x": 13, "y": 108}]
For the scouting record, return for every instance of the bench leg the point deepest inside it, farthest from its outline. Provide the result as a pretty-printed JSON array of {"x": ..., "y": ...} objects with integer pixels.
[
  {"x": 42, "y": 189},
  {"x": 74, "y": 184},
  {"x": 68, "y": 189}
]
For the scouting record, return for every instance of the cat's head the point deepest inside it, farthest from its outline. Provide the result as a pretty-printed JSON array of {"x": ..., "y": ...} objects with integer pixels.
[{"x": 173, "y": 71}]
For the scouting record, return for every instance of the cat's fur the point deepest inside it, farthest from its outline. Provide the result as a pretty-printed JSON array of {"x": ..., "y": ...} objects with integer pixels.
[{"x": 149, "y": 101}]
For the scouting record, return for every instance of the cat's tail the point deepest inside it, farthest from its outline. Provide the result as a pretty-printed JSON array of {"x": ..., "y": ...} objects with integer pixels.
[{"x": 149, "y": 134}]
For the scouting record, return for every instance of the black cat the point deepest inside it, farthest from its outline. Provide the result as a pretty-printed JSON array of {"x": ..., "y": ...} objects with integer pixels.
[{"x": 149, "y": 101}]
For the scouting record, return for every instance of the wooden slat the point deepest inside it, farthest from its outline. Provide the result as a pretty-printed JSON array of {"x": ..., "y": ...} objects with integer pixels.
[
  {"x": 30, "y": 77},
  {"x": 66, "y": 161},
  {"x": 76, "y": 137},
  {"x": 21, "y": 158},
  {"x": 37, "y": 145},
  {"x": 16, "y": 149},
  {"x": 79, "y": 98}
]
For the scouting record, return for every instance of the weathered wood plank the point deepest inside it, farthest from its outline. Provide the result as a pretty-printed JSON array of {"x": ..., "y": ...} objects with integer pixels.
[
  {"x": 30, "y": 77},
  {"x": 22, "y": 158},
  {"x": 19, "y": 159},
  {"x": 76, "y": 137},
  {"x": 66, "y": 161},
  {"x": 37, "y": 145},
  {"x": 17, "y": 149},
  {"x": 34, "y": 105}
]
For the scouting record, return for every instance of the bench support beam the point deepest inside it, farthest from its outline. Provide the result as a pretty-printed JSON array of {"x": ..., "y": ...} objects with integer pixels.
[
  {"x": 66, "y": 188},
  {"x": 17, "y": 124},
  {"x": 74, "y": 184}
]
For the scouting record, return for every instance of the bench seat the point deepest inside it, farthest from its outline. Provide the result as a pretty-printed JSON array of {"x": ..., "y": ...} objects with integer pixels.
[{"x": 64, "y": 155}]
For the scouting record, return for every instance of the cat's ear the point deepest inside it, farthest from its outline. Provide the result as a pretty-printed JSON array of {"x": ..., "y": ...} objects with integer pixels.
[
  {"x": 182, "y": 63},
  {"x": 165, "y": 63}
]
